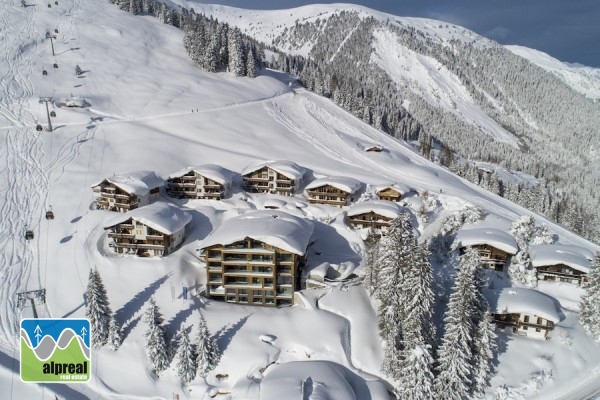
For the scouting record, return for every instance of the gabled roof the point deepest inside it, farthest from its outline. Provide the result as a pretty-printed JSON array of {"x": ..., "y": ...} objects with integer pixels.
[
  {"x": 514, "y": 300},
  {"x": 274, "y": 227},
  {"x": 552, "y": 254},
  {"x": 287, "y": 168},
  {"x": 138, "y": 182},
  {"x": 210, "y": 171},
  {"x": 162, "y": 217},
  {"x": 386, "y": 208},
  {"x": 490, "y": 236},
  {"x": 344, "y": 183},
  {"x": 400, "y": 187}
]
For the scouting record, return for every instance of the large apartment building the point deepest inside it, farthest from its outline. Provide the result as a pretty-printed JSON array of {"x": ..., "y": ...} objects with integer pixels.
[{"x": 256, "y": 258}]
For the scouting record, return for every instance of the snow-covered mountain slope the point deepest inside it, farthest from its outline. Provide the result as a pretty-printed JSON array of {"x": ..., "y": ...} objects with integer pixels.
[
  {"x": 585, "y": 80},
  {"x": 149, "y": 108}
]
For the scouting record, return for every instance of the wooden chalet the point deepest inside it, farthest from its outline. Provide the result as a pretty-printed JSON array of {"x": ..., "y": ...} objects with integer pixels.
[
  {"x": 495, "y": 247},
  {"x": 560, "y": 263},
  {"x": 257, "y": 258},
  {"x": 274, "y": 177},
  {"x": 154, "y": 230},
  {"x": 335, "y": 191},
  {"x": 373, "y": 214},
  {"x": 524, "y": 312},
  {"x": 127, "y": 192},
  {"x": 202, "y": 182},
  {"x": 391, "y": 192}
]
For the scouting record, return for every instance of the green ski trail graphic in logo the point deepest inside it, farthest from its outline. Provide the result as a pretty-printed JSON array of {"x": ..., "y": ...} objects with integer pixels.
[{"x": 55, "y": 350}]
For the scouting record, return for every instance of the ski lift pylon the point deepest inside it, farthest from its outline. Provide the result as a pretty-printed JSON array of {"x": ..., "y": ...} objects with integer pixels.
[{"x": 39, "y": 128}]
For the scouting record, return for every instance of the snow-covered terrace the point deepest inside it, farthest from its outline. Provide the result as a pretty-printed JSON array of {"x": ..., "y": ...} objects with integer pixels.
[
  {"x": 210, "y": 171},
  {"x": 513, "y": 300},
  {"x": 287, "y": 168},
  {"x": 554, "y": 254},
  {"x": 490, "y": 236},
  {"x": 386, "y": 208},
  {"x": 274, "y": 227},
  {"x": 348, "y": 185},
  {"x": 138, "y": 182},
  {"x": 160, "y": 216}
]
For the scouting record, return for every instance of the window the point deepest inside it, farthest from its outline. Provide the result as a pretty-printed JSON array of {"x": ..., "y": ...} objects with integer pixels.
[
  {"x": 538, "y": 330},
  {"x": 525, "y": 328},
  {"x": 539, "y": 320},
  {"x": 526, "y": 318}
]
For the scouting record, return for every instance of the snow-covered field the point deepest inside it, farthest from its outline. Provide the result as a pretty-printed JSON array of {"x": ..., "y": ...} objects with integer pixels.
[{"x": 150, "y": 108}]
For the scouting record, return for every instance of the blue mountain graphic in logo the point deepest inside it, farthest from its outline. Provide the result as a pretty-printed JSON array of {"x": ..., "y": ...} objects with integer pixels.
[{"x": 54, "y": 327}]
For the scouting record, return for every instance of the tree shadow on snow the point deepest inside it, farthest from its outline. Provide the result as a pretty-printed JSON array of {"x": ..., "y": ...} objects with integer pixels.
[
  {"x": 137, "y": 302},
  {"x": 224, "y": 336},
  {"x": 173, "y": 325},
  {"x": 128, "y": 327}
]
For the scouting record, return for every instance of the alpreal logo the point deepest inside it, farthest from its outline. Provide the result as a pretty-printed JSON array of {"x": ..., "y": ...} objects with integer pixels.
[{"x": 55, "y": 350}]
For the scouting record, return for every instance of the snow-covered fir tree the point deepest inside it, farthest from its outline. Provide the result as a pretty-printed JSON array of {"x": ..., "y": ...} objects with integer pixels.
[
  {"x": 589, "y": 308},
  {"x": 542, "y": 235},
  {"x": 236, "y": 52},
  {"x": 519, "y": 270},
  {"x": 483, "y": 353},
  {"x": 417, "y": 383},
  {"x": 97, "y": 309},
  {"x": 370, "y": 265},
  {"x": 208, "y": 352},
  {"x": 115, "y": 335},
  {"x": 455, "y": 355},
  {"x": 186, "y": 357},
  {"x": 156, "y": 343}
]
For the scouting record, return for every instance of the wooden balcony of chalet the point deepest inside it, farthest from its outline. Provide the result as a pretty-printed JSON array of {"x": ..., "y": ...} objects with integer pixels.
[{"x": 513, "y": 320}]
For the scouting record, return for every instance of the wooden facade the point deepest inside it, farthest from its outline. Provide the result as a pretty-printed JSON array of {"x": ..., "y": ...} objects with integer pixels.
[
  {"x": 134, "y": 237},
  {"x": 111, "y": 197},
  {"x": 330, "y": 195},
  {"x": 194, "y": 185},
  {"x": 491, "y": 257},
  {"x": 524, "y": 324},
  {"x": 268, "y": 180},
  {"x": 252, "y": 272},
  {"x": 369, "y": 219},
  {"x": 390, "y": 194},
  {"x": 561, "y": 273}
]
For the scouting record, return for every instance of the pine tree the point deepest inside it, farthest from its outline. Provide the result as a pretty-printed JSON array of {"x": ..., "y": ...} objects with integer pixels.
[
  {"x": 208, "y": 352},
  {"x": 236, "y": 52},
  {"x": 455, "y": 368},
  {"x": 97, "y": 309},
  {"x": 483, "y": 353},
  {"x": 542, "y": 235},
  {"x": 416, "y": 383},
  {"x": 590, "y": 302},
  {"x": 371, "y": 267},
  {"x": 115, "y": 335},
  {"x": 186, "y": 356},
  {"x": 156, "y": 343}
]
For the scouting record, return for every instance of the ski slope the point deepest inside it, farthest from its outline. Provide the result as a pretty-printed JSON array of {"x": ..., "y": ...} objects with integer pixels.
[{"x": 150, "y": 108}]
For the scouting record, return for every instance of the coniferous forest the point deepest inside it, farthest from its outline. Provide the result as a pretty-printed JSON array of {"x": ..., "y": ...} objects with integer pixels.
[{"x": 557, "y": 128}]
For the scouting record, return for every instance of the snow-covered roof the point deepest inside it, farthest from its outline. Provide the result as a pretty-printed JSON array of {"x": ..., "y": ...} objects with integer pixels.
[
  {"x": 138, "y": 182},
  {"x": 287, "y": 168},
  {"x": 160, "y": 216},
  {"x": 349, "y": 185},
  {"x": 274, "y": 227},
  {"x": 514, "y": 300},
  {"x": 490, "y": 236},
  {"x": 400, "y": 187},
  {"x": 210, "y": 171},
  {"x": 386, "y": 208},
  {"x": 552, "y": 254}
]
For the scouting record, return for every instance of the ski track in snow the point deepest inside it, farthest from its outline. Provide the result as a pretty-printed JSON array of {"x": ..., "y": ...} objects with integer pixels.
[{"x": 28, "y": 177}]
